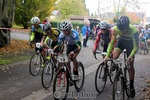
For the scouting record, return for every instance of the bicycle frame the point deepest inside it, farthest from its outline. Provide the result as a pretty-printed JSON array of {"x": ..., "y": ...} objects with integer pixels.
[{"x": 68, "y": 73}]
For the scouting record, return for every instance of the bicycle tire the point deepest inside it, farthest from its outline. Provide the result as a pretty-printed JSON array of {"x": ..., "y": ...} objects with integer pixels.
[
  {"x": 115, "y": 86},
  {"x": 55, "y": 93},
  {"x": 126, "y": 82},
  {"x": 37, "y": 69},
  {"x": 47, "y": 74},
  {"x": 127, "y": 88},
  {"x": 111, "y": 73},
  {"x": 78, "y": 88},
  {"x": 146, "y": 48},
  {"x": 100, "y": 68}
]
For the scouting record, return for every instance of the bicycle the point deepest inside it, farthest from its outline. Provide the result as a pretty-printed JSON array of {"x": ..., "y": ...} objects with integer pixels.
[
  {"x": 103, "y": 71},
  {"x": 64, "y": 78},
  {"x": 121, "y": 83},
  {"x": 50, "y": 67},
  {"x": 36, "y": 61}
]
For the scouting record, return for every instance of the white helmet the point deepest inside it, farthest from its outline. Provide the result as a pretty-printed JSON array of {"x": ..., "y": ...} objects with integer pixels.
[
  {"x": 65, "y": 25},
  {"x": 104, "y": 25},
  {"x": 35, "y": 20}
]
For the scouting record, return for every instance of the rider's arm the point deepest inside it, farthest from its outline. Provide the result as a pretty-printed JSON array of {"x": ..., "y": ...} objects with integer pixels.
[
  {"x": 32, "y": 35},
  {"x": 43, "y": 39},
  {"x": 60, "y": 40},
  {"x": 112, "y": 42},
  {"x": 78, "y": 43},
  {"x": 135, "y": 44},
  {"x": 97, "y": 40}
]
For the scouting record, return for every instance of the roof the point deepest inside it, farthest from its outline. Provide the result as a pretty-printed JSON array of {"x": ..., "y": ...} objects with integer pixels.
[{"x": 81, "y": 17}]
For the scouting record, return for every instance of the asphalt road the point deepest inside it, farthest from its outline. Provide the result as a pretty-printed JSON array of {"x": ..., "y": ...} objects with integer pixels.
[
  {"x": 16, "y": 83},
  {"x": 20, "y": 35}
]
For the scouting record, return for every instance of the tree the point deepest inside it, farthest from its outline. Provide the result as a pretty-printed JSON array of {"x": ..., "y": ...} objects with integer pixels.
[
  {"x": 26, "y": 9},
  {"x": 123, "y": 6},
  {"x": 71, "y": 7},
  {"x": 133, "y": 17},
  {"x": 7, "y": 12}
]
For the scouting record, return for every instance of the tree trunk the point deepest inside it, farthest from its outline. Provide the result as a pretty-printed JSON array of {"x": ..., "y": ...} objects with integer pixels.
[{"x": 7, "y": 11}]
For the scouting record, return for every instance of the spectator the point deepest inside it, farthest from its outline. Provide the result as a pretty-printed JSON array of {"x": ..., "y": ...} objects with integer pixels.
[{"x": 86, "y": 32}]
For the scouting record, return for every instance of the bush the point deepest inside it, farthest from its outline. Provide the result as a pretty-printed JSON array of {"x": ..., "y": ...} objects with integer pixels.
[{"x": 55, "y": 24}]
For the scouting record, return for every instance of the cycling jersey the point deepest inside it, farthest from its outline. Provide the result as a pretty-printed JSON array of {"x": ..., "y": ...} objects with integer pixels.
[
  {"x": 72, "y": 40},
  {"x": 54, "y": 35},
  {"x": 105, "y": 37},
  {"x": 36, "y": 33},
  {"x": 145, "y": 33},
  {"x": 131, "y": 35}
]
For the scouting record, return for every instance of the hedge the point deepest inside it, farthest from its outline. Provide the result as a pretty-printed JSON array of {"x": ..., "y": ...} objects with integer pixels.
[{"x": 57, "y": 24}]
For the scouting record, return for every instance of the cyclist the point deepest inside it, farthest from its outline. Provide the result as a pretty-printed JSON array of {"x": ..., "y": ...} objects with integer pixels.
[
  {"x": 128, "y": 39},
  {"x": 36, "y": 31},
  {"x": 70, "y": 37},
  {"x": 49, "y": 34},
  {"x": 105, "y": 34}
]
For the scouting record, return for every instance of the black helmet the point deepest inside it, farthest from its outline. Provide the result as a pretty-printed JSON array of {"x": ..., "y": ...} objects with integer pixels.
[
  {"x": 104, "y": 25},
  {"x": 47, "y": 26},
  {"x": 123, "y": 23}
]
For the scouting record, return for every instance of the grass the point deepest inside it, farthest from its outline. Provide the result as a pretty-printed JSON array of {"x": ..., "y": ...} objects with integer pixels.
[
  {"x": 9, "y": 59},
  {"x": 17, "y": 26},
  {"x": 18, "y": 50}
]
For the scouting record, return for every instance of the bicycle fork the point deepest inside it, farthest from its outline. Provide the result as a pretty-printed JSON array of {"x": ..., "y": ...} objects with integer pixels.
[{"x": 62, "y": 76}]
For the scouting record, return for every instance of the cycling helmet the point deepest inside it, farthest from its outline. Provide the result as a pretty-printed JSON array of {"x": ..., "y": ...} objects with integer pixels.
[
  {"x": 123, "y": 23},
  {"x": 35, "y": 20},
  {"x": 104, "y": 25},
  {"x": 65, "y": 25},
  {"x": 47, "y": 26}
]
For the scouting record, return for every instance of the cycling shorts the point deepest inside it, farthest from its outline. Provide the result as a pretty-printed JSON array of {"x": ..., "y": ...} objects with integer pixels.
[
  {"x": 71, "y": 48},
  {"x": 125, "y": 44}
]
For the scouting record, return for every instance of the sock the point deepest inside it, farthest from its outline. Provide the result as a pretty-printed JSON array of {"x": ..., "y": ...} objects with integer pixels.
[{"x": 131, "y": 84}]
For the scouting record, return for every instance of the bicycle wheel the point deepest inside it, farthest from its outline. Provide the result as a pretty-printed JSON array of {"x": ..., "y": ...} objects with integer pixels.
[
  {"x": 146, "y": 48},
  {"x": 35, "y": 64},
  {"x": 60, "y": 85},
  {"x": 127, "y": 82},
  {"x": 47, "y": 74},
  {"x": 111, "y": 72},
  {"x": 100, "y": 81},
  {"x": 118, "y": 88},
  {"x": 79, "y": 84}
]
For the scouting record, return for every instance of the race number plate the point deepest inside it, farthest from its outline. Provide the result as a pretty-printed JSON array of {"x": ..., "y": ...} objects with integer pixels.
[{"x": 62, "y": 58}]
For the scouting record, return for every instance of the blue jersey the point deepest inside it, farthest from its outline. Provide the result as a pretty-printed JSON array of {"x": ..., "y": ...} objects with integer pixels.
[
  {"x": 71, "y": 39},
  {"x": 145, "y": 33},
  {"x": 39, "y": 29},
  {"x": 36, "y": 33}
]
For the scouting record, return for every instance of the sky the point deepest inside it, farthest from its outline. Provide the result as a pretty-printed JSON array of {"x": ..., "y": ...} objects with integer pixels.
[{"x": 92, "y": 5}]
